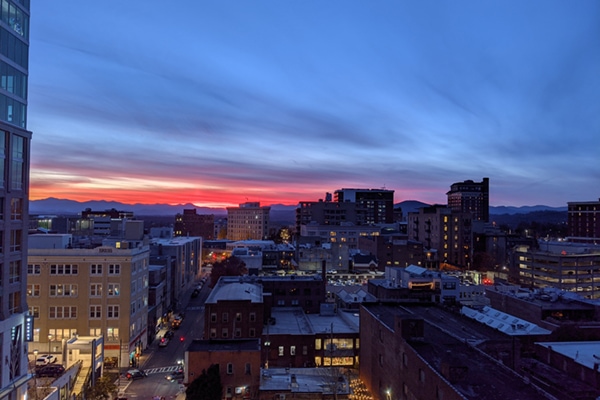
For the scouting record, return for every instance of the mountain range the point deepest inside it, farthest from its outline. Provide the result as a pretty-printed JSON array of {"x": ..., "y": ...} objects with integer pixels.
[{"x": 278, "y": 211}]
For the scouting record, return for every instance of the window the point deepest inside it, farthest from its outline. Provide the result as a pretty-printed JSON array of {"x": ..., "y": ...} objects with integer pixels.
[
  {"x": 280, "y": 351},
  {"x": 64, "y": 269},
  {"x": 14, "y": 303},
  {"x": 238, "y": 317},
  {"x": 112, "y": 312},
  {"x": 224, "y": 332},
  {"x": 18, "y": 160},
  {"x": 96, "y": 269},
  {"x": 33, "y": 290},
  {"x": 292, "y": 350},
  {"x": 16, "y": 209},
  {"x": 213, "y": 332},
  {"x": 14, "y": 272},
  {"x": 114, "y": 269},
  {"x": 95, "y": 312},
  {"x": 252, "y": 317},
  {"x": 213, "y": 317},
  {"x": 112, "y": 333},
  {"x": 34, "y": 311},
  {"x": 304, "y": 350},
  {"x": 33, "y": 269},
  {"x": 15, "y": 240},
  {"x": 421, "y": 376},
  {"x": 63, "y": 290},
  {"x": 225, "y": 317},
  {"x": 229, "y": 368},
  {"x": 95, "y": 290},
  {"x": 113, "y": 289},
  {"x": 62, "y": 312},
  {"x": 252, "y": 332},
  {"x": 248, "y": 369},
  {"x": 238, "y": 332}
]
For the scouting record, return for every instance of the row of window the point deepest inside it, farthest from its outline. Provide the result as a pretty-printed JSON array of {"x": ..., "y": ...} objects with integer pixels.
[
  {"x": 238, "y": 317},
  {"x": 71, "y": 290},
  {"x": 73, "y": 269},
  {"x": 236, "y": 334},
  {"x": 70, "y": 312}
]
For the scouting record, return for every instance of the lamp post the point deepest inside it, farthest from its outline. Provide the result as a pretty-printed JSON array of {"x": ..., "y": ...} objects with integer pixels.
[
  {"x": 35, "y": 354},
  {"x": 49, "y": 342}
]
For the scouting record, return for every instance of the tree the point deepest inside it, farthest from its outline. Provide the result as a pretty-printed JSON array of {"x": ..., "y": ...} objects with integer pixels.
[
  {"x": 102, "y": 390},
  {"x": 231, "y": 266},
  {"x": 207, "y": 386}
]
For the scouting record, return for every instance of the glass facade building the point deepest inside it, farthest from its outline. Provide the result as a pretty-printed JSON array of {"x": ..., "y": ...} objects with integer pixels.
[{"x": 14, "y": 199}]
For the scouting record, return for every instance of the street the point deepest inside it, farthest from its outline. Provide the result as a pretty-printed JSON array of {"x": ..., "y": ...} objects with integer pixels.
[{"x": 160, "y": 361}]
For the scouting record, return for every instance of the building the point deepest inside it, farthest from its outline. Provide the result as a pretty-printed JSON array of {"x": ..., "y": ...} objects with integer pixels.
[
  {"x": 234, "y": 310},
  {"x": 14, "y": 199},
  {"x": 421, "y": 353},
  {"x": 583, "y": 219},
  {"x": 183, "y": 256},
  {"x": 238, "y": 362},
  {"x": 248, "y": 221},
  {"x": 89, "y": 292},
  {"x": 572, "y": 267},
  {"x": 445, "y": 234},
  {"x": 471, "y": 197},
  {"x": 192, "y": 224},
  {"x": 99, "y": 222},
  {"x": 377, "y": 203}
]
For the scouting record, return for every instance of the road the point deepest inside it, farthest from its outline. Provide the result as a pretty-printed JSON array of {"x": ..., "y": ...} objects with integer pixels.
[{"x": 162, "y": 360}]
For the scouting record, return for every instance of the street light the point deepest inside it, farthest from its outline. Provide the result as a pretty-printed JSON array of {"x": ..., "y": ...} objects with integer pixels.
[
  {"x": 35, "y": 354},
  {"x": 49, "y": 341}
]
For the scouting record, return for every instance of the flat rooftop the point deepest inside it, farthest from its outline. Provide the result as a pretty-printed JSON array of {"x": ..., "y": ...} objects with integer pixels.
[
  {"x": 232, "y": 290},
  {"x": 302, "y": 380},
  {"x": 294, "y": 321}
]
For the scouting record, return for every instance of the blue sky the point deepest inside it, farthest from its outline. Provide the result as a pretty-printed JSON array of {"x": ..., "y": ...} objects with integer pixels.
[{"x": 220, "y": 102}]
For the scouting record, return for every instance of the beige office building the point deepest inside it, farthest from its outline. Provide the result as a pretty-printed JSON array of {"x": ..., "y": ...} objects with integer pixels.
[
  {"x": 248, "y": 221},
  {"x": 90, "y": 292}
]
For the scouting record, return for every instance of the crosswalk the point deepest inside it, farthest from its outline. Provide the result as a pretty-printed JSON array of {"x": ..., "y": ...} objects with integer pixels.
[{"x": 161, "y": 370}]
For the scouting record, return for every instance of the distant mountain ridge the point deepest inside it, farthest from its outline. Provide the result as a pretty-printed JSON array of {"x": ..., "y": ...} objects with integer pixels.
[{"x": 70, "y": 207}]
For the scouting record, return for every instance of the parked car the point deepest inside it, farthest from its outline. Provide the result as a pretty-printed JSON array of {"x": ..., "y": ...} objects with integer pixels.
[
  {"x": 163, "y": 342},
  {"x": 133, "y": 374},
  {"x": 45, "y": 359},
  {"x": 51, "y": 370},
  {"x": 175, "y": 375},
  {"x": 169, "y": 334}
]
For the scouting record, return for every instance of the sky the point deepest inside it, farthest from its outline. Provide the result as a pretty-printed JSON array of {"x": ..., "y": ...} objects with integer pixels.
[{"x": 220, "y": 102}]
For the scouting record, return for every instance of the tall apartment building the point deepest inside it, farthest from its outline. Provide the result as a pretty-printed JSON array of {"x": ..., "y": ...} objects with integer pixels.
[
  {"x": 248, "y": 221},
  {"x": 191, "y": 223},
  {"x": 446, "y": 235},
  {"x": 14, "y": 198},
  {"x": 583, "y": 220},
  {"x": 377, "y": 203},
  {"x": 100, "y": 291},
  {"x": 471, "y": 197}
]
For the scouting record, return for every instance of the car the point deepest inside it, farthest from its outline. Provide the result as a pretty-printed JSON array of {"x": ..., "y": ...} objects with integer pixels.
[
  {"x": 169, "y": 334},
  {"x": 175, "y": 376},
  {"x": 45, "y": 359},
  {"x": 134, "y": 374},
  {"x": 51, "y": 370},
  {"x": 163, "y": 342}
]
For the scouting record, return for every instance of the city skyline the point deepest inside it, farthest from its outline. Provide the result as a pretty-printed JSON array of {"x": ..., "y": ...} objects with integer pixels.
[{"x": 217, "y": 103}]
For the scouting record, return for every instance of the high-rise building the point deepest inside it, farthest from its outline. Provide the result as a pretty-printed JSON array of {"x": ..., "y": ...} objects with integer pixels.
[
  {"x": 191, "y": 223},
  {"x": 471, "y": 197},
  {"x": 14, "y": 199},
  {"x": 584, "y": 221},
  {"x": 378, "y": 204},
  {"x": 248, "y": 221}
]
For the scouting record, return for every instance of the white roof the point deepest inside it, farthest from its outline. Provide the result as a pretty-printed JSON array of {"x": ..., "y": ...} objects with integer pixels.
[{"x": 506, "y": 323}]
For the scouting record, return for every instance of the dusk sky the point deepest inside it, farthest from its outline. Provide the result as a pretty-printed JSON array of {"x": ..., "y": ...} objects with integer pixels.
[{"x": 220, "y": 102}]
